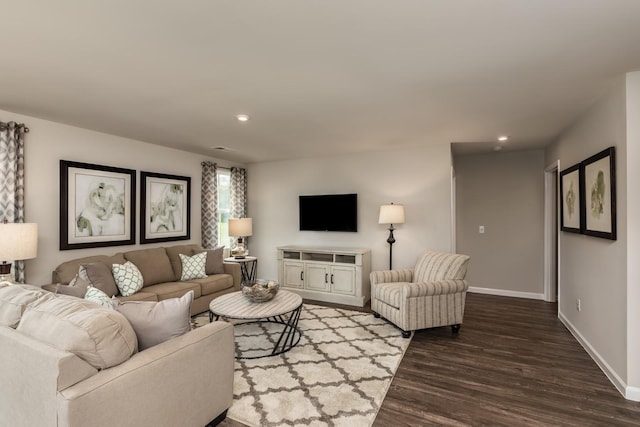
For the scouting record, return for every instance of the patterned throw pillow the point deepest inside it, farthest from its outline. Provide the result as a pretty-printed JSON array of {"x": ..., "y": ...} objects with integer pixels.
[
  {"x": 99, "y": 297},
  {"x": 193, "y": 266},
  {"x": 128, "y": 278}
]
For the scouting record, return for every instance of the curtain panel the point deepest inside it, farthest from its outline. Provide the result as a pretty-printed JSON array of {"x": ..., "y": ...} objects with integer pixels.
[
  {"x": 238, "y": 197},
  {"x": 209, "y": 205},
  {"x": 12, "y": 181}
]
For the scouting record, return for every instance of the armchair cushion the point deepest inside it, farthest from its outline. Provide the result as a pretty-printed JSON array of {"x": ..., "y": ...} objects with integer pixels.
[
  {"x": 434, "y": 266},
  {"x": 441, "y": 287}
]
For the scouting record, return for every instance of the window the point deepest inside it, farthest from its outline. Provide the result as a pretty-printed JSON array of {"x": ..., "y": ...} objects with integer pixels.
[{"x": 224, "y": 207}]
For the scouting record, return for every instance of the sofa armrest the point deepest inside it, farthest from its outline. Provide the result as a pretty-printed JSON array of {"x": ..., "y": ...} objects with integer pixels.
[
  {"x": 391, "y": 276},
  {"x": 233, "y": 268},
  {"x": 186, "y": 381},
  {"x": 31, "y": 373},
  {"x": 441, "y": 287}
]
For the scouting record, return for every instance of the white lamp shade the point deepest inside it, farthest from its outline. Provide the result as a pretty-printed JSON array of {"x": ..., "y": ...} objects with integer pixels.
[
  {"x": 391, "y": 214},
  {"x": 18, "y": 241},
  {"x": 240, "y": 227}
]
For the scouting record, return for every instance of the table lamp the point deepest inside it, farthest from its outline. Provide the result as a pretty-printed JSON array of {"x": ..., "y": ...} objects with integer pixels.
[
  {"x": 391, "y": 214},
  {"x": 240, "y": 228},
  {"x": 18, "y": 241}
]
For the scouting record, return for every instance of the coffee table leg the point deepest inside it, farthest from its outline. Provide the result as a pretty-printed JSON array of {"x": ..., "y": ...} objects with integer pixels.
[{"x": 290, "y": 329}]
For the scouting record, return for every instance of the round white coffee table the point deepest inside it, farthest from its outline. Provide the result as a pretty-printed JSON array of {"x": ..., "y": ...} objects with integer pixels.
[{"x": 283, "y": 309}]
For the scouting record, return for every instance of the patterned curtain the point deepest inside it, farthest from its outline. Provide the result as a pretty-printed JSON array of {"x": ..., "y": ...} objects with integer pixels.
[
  {"x": 12, "y": 180},
  {"x": 209, "y": 202},
  {"x": 238, "y": 197}
]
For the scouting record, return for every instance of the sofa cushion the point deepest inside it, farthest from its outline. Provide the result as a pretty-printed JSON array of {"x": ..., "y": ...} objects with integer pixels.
[
  {"x": 129, "y": 279},
  {"x": 66, "y": 271},
  {"x": 215, "y": 260},
  {"x": 173, "y": 252},
  {"x": 193, "y": 266},
  {"x": 153, "y": 263},
  {"x": 14, "y": 300},
  {"x": 99, "y": 297},
  {"x": 139, "y": 296},
  {"x": 214, "y": 283},
  {"x": 175, "y": 289},
  {"x": 156, "y": 322},
  {"x": 100, "y": 336}
]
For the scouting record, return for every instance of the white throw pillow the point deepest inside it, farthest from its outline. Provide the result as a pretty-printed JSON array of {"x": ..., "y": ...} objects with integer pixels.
[
  {"x": 156, "y": 322},
  {"x": 99, "y": 297},
  {"x": 193, "y": 267},
  {"x": 128, "y": 278}
]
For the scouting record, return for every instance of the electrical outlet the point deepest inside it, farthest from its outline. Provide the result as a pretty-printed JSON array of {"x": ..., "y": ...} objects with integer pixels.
[{"x": 578, "y": 307}]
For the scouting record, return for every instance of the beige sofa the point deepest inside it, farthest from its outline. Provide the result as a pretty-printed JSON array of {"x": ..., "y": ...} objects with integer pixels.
[
  {"x": 161, "y": 269},
  {"x": 47, "y": 381}
]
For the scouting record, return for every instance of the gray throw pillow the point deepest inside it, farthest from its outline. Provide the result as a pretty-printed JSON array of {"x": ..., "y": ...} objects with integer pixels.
[
  {"x": 79, "y": 289},
  {"x": 156, "y": 322},
  {"x": 214, "y": 264},
  {"x": 101, "y": 277}
]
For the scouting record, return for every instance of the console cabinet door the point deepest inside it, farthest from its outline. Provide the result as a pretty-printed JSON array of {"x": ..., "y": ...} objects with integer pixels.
[
  {"x": 316, "y": 277},
  {"x": 293, "y": 274},
  {"x": 343, "y": 280}
]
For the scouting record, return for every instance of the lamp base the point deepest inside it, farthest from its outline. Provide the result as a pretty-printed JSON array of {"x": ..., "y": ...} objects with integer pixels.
[{"x": 5, "y": 273}]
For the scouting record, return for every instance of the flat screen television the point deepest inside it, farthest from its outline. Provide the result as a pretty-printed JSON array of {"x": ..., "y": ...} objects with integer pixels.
[{"x": 329, "y": 212}]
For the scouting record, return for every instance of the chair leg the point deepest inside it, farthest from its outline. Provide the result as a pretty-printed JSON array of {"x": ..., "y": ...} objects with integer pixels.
[
  {"x": 455, "y": 328},
  {"x": 376, "y": 315},
  {"x": 406, "y": 334}
]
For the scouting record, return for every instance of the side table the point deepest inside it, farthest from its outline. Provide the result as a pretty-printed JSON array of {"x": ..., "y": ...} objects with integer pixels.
[{"x": 248, "y": 267}]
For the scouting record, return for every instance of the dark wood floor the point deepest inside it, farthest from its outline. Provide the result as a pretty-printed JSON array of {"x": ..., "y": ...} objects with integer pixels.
[{"x": 512, "y": 364}]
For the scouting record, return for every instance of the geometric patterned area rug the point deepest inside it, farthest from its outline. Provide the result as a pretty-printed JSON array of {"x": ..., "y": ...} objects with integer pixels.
[{"x": 337, "y": 375}]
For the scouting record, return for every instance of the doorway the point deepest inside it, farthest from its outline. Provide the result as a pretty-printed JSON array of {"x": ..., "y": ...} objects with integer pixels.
[{"x": 551, "y": 242}]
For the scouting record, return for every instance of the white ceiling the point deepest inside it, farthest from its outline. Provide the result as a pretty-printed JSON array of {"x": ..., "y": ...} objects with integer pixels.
[{"x": 317, "y": 77}]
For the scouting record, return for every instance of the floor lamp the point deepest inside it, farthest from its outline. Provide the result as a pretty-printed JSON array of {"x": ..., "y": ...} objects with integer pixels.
[{"x": 391, "y": 214}]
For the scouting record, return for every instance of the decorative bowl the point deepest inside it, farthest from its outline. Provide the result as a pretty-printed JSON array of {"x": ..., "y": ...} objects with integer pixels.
[{"x": 260, "y": 290}]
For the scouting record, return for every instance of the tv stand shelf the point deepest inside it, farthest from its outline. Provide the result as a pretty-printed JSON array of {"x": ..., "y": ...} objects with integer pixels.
[{"x": 337, "y": 275}]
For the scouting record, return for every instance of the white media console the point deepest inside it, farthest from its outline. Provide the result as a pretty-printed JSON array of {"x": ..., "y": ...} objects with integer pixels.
[{"x": 337, "y": 275}]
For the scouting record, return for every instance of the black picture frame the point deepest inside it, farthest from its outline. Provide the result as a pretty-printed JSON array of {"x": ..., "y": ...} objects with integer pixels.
[
  {"x": 165, "y": 207},
  {"x": 97, "y": 205},
  {"x": 599, "y": 195},
  {"x": 571, "y": 199}
]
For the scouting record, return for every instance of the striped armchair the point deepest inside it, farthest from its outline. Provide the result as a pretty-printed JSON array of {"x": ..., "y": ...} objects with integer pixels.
[{"x": 430, "y": 295}]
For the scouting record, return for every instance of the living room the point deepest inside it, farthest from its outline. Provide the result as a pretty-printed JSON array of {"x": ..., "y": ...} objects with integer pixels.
[{"x": 602, "y": 274}]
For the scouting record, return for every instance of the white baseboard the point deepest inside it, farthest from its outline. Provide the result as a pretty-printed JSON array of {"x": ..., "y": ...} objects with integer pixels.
[
  {"x": 630, "y": 393},
  {"x": 506, "y": 293}
]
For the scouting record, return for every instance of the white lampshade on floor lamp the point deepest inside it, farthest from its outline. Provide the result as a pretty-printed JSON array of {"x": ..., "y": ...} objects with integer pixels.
[
  {"x": 391, "y": 214},
  {"x": 18, "y": 241},
  {"x": 240, "y": 228}
]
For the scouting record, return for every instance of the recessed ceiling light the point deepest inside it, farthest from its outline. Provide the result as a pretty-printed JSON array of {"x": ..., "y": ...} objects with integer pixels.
[
  {"x": 221, "y": 148},
  {"x": 503, "y": 138},
  {"x": 242, "y": 118},
  {"x": 497, "y": 148}
]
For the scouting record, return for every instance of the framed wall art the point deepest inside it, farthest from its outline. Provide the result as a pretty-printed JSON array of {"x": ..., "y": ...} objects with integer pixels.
[
  {"x": 165, "y": 207},
  {"x": 599, "y": 193},
  {"x": 97, "y": 205},
  {"x": 571, "y": 194}
]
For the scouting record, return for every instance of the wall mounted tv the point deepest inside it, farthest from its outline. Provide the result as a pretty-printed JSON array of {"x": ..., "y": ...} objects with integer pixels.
[{"x": 329, "y": 212}]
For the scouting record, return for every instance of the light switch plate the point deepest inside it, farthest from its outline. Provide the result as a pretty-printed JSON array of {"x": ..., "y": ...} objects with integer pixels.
[{"x": 481, "y": 229}]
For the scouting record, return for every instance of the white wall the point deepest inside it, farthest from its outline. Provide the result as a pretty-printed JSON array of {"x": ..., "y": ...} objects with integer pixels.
[
  {"x": 504, "y": 192},
  {"x": 48, "y": 142},
  {"x": 633, "y": 236},
  {"x": 594, "y": 270},
  {"x": 419, "y": 178}
]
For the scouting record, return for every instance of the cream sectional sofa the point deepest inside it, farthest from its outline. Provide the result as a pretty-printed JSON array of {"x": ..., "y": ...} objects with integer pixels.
[
  {"x": 161, "y": 269},
  {"x": 67, "y": 362}
]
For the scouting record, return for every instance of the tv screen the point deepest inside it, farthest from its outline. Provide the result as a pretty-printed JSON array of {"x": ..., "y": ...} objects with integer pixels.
[{"x": 329, "y": 212}]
